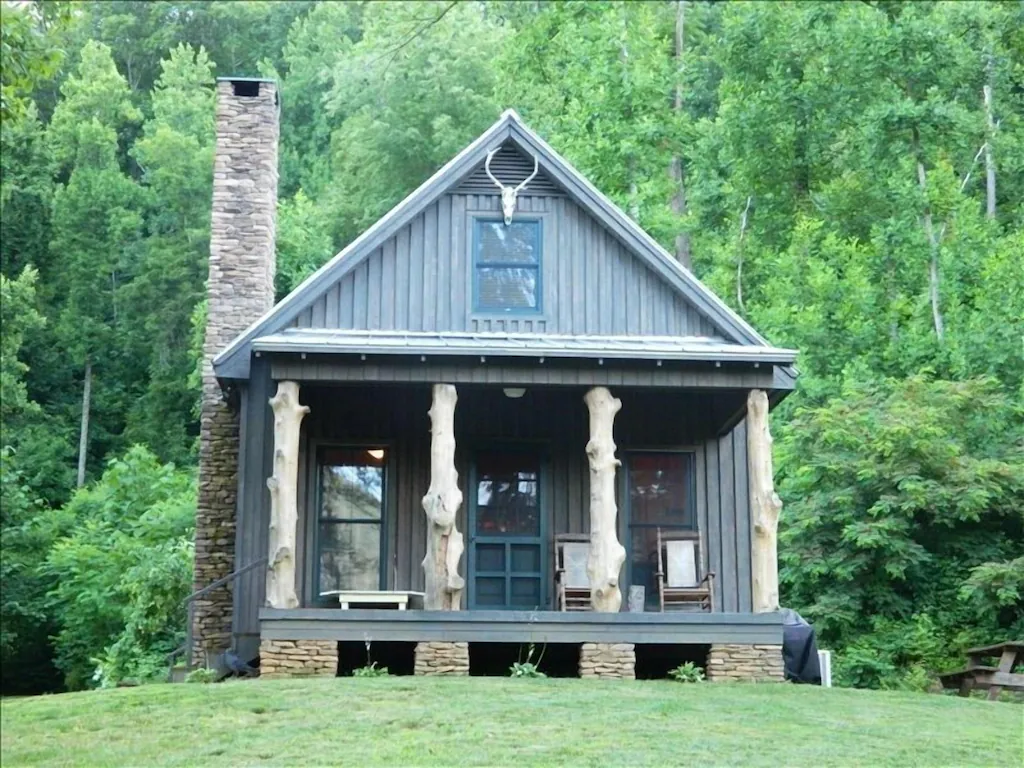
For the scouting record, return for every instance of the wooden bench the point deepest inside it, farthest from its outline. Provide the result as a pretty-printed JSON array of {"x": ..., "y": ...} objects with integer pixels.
[
  {"x": 980, "y": 674},
  {"x": 398, "y": 598}
]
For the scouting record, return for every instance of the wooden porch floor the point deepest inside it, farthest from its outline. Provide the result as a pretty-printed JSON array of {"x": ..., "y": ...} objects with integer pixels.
[{"x": 520, "y": 626}]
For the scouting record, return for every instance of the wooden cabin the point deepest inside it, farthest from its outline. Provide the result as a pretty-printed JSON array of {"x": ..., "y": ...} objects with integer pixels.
[{"x": 489, "y": 368}]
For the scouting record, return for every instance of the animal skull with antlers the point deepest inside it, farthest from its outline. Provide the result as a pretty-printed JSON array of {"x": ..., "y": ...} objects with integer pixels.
[{"x": 509, "y": 195}]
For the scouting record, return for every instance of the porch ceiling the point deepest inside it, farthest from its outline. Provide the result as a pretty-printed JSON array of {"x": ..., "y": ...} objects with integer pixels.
[{"x": 687, "y": 348}]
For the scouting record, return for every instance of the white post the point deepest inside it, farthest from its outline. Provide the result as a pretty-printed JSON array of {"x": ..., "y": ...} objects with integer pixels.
[
  {"x": 283, "y": 485},
  {"x": 765, "y": 506},
  {"x": 606, "y": 553},
  {"x": 442, "y": 583}
]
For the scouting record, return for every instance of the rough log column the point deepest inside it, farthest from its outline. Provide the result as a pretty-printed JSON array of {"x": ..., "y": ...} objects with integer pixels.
[
  {"x": 765, "y": 506},
  {"x": 442, "y": 583},
  {"x": 606, "y": 553},
  {"x": 284, "y": 506},
  {"x": 240, "y": 289}
]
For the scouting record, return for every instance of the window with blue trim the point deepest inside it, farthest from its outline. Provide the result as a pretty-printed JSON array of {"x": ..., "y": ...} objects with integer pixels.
[{"x": 506, "y": 265}]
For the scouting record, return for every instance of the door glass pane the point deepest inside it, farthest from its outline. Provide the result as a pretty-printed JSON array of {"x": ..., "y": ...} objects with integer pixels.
[
  {"x": 643, "y": 555},
  {"x": 525, "y": 592},
  {"x": 349, "y": 556},
  {"x": 659, "y": 489},
  {"x": 507, "y": 500},
  {"x": 490, "y": 591},
  {"x": 525, "y": 558}
]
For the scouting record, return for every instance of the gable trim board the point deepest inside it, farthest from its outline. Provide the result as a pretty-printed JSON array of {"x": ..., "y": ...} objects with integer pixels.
[{"x": 234, "y": 361}]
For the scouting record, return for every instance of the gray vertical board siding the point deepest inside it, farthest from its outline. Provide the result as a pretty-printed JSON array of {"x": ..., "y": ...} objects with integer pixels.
[
  {"x": 555, "y": 420},
  {"x": 420, "y": 279},
  {"x": 252, "y": 520}
]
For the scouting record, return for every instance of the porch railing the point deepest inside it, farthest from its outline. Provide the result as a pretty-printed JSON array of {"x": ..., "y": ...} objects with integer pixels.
[{"x": 190, "y": 602}]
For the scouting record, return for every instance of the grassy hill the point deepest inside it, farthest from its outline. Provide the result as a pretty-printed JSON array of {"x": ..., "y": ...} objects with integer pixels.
[{"x": 495, "y": 721}]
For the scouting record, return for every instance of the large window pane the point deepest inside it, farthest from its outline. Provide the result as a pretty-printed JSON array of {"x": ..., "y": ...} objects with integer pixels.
[
  {"x": 506, "y": 288},
  {"x": 515, "y": 243},
  {"x": 349, "y": 556},
  {"x": 349, "y": 520},
  {"x": 659, "y": 489}
]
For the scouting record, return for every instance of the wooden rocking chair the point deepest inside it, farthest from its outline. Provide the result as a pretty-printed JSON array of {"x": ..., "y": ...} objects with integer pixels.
[
  {"x": 571, "y": 580},
  {"x": 680, "y": 584}
]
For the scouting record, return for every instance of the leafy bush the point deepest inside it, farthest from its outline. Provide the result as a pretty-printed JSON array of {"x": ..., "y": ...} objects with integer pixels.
[
  {"x": 121, "y": 568},
  {"x": 371, "y": 670},
  {"x": 687, "y": 673},
  {"x": 903, "y": 509},
  {"x": 202, "y": 675},
  {"x": 525, "y": 669}
]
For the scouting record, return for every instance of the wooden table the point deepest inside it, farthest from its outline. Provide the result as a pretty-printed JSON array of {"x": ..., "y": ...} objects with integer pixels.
[
  {"x": 979, "y": 672},
  {"x": 399, "y": 598}
]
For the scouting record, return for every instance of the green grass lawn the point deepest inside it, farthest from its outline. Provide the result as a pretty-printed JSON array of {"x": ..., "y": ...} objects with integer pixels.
[{"x": 495, "y": 721}]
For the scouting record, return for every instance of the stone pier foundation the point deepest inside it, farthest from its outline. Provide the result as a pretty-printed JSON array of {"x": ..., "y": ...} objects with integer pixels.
[
  {"x": 442, "y": 658},
  {"x": 612, "y": 661},
  {"x": 298, "y": 658},
  {"x": 748, "y": 663}
]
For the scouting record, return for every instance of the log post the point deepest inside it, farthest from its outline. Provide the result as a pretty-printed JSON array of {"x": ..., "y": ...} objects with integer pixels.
[
  {"x": 606, "y": 553},
  {"x": 765, "y": 506},
  {"x": 442, "y": 583},
  {"x": 283, "y": 485}
]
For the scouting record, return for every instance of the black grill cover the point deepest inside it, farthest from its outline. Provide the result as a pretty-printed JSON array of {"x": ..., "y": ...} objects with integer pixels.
[{"x": 799, "y": 649}]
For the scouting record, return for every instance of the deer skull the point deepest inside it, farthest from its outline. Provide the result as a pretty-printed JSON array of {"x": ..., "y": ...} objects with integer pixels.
[{"x": 509, "y": 195}]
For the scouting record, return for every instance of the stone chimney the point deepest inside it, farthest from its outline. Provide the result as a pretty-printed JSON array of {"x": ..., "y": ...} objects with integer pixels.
[{"x": 240, "y": 289}]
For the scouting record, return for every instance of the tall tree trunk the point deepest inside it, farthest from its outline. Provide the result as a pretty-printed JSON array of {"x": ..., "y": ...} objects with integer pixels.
[
  {"x": 633, "y": 206},
  {"x": 442, "y": 583},
  {"x": 283, "y": 485},
  {"x": 676, "y": 169},
  {"x": 934, "y": 278},
  {"x": 83, "y": 435},
  {"x": 990, "y": 163},
  {"x": 765, "y": 506},
  {"x": 739, "y": 254},
  {"x": 606, "y": 555}
]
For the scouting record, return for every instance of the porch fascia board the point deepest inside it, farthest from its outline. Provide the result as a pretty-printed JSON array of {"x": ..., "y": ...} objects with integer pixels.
[
  {"x": 520, "y": 626},
  {"x": 507, "y": 373}
]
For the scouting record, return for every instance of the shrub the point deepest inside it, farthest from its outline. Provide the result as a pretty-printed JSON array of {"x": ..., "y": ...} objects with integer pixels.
[
  {"x": 687, "y": 673},
  {"x": 202, "y": 675},
  {"x": 371, "y": 670}
]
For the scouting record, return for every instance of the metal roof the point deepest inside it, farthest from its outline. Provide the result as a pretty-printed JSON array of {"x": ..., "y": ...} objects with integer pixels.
[
  {"x": 233, "y": 361},
  {"x": 694, "y": 348}
]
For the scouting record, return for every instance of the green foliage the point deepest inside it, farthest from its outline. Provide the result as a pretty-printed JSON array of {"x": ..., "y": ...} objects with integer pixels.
[
  {"x": 121, "y": 568},
  {"x": 687, "y": 673},
  {"x": 801, "y": 132},
  {"x": 524, "y": 669},
  {"x": 371, "y": 670},
  {"x": 201, "y": 675}
]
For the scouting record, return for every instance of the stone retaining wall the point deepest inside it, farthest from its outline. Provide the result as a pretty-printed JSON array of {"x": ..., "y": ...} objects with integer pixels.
[
  {"x": 613, "y": 661},
  {"x": 750, "y": 663},
  {"x": 298, "y": 658},
  {"x": 442, "y": 658}
]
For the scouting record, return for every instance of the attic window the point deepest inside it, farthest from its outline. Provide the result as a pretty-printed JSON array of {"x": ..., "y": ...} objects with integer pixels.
[{"x": 506, "y": 265}]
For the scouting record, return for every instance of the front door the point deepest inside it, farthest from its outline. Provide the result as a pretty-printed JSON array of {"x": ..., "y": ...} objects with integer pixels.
[{"x": 506, "y": 552}]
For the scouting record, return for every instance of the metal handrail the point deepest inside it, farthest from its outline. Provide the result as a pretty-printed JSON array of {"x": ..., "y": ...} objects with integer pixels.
[{"x": 190, "y": 602}]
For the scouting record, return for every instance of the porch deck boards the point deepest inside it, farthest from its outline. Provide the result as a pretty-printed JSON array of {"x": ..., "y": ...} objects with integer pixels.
[{"x": 520, "y": 626}]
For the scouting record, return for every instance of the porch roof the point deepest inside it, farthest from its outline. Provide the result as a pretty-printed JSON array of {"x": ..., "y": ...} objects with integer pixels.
[{"x": 689, "y": 348}]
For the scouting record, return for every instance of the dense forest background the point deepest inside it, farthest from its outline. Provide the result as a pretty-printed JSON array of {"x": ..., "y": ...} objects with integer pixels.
[{"x": 848, "y": 176}]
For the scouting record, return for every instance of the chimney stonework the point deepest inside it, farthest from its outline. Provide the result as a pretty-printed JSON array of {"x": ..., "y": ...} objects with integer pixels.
[{"x": 240, "y": 289}]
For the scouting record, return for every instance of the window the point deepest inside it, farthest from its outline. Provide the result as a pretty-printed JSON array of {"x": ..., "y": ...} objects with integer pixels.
[
  {"x": 506, "y": 266},
  {"x": 661, "y": 494},
  {"x": 350, "y": 510}
]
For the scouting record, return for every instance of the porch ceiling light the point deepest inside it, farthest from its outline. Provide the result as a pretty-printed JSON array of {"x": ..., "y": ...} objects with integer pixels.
[
  {"x": 377, "y": 453},
  {"x": 514, "y": 392}
]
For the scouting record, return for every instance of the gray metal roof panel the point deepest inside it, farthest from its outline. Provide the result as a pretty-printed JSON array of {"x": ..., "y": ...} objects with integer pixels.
[{"x": 695, "y": 348}]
